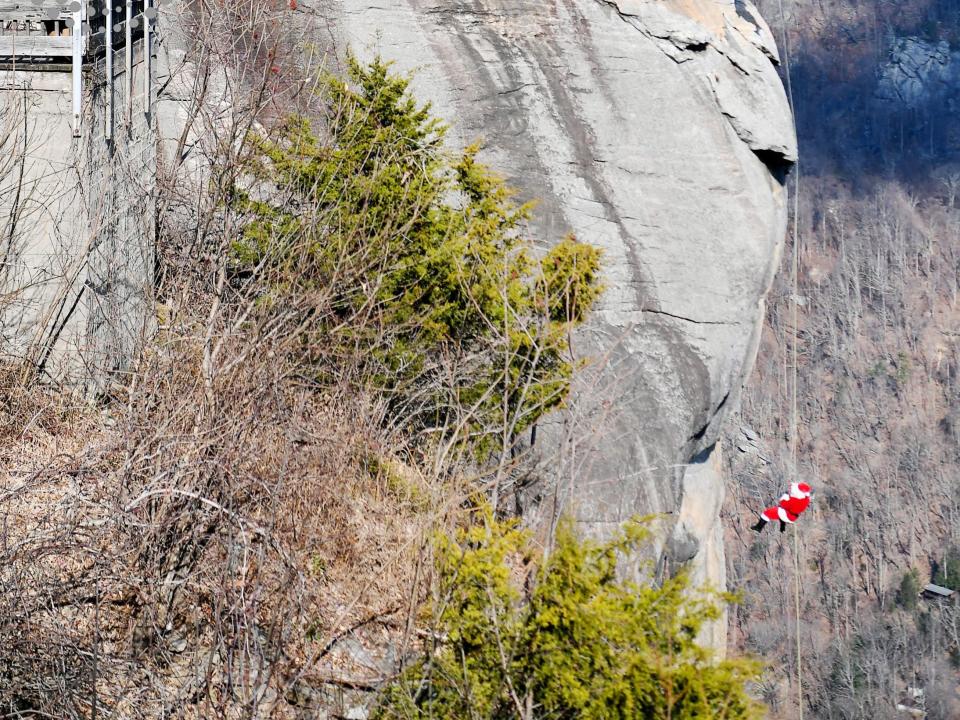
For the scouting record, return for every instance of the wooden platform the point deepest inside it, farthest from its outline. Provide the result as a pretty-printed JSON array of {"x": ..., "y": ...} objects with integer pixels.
[
  {"x": 25, "y": 6},
  {"x": 29, "y": 34}
]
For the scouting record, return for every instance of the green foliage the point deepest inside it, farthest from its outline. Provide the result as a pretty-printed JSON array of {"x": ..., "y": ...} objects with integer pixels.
[
  {"x": 903, "y": 369},
  {"x": 414, "y": 260},
  {"x": 948, "y": 573},
  {"x": 572, "y": 283},
  {"x": 909, "y": 590},
  {"x": 878, "y": 369},
  {"x": 898, "y": 371},
  {"x": 579, "y": 642}
]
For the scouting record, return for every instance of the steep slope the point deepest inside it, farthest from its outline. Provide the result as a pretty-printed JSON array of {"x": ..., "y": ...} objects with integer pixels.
[
  {"x": 659, "y": 131},
  {"x": 876, "y": 89}
]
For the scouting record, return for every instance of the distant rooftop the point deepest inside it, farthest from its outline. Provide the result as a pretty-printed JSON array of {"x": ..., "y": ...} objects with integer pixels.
[{"x": 938, "y": 591}]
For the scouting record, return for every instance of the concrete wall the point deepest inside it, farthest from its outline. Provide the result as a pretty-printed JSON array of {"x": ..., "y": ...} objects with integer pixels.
[
  {"x": 42, "y": 221},
  {"x": 121, "y": 215},
  {"x": 77, "y": 216}
]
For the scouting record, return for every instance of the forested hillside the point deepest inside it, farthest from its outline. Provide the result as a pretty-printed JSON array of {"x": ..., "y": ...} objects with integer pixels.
[{"x": 875, "y": 88}]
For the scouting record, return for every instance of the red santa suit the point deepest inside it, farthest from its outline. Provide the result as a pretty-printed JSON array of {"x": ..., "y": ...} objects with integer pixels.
[{"x": 791, "y": 504}]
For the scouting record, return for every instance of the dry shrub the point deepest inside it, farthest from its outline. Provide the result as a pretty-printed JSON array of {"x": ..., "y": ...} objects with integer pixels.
[
  {"x": 203, "y": 557},
  {"x": 30, "y": 412}
]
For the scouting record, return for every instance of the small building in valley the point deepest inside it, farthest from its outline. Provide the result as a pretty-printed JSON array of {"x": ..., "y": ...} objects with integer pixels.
[{"x": 938, "y": 592}]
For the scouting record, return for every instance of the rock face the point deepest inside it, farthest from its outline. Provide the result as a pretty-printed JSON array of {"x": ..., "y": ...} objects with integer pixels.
[
  {"x": 660, "y": 131},
  {"x": 918, "y": 72}
]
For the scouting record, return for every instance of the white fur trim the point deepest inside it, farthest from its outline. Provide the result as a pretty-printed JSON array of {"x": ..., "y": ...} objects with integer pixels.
[
  {"x": 796, "y": 492},
  {"x": 782, "y": 514}
]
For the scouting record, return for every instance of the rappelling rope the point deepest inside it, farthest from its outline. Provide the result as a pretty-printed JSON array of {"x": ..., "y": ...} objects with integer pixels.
[
  {"x": 795, "y": 264},
  {"x": 794, "y": 301}
]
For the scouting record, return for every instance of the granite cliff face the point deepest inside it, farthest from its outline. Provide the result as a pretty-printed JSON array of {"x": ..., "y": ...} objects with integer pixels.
[{"x": 660, "y": 131}]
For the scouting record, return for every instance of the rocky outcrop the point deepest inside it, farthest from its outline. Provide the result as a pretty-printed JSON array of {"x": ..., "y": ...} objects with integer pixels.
[
  {"x": 660, "y": 131},
  {"x": 918, "y": 72}
]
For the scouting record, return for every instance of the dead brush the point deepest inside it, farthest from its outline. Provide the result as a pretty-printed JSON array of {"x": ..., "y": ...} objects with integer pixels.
[
  {"x": 28, "y": 407},
  {"x": 206, "y": 555}
]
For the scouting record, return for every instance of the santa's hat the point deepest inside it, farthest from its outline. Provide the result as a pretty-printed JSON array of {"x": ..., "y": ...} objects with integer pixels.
[{"x": 800, "y": 490}]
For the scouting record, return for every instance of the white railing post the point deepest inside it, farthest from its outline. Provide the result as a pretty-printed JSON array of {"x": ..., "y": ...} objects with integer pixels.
[
  {"x": 128, "y": 50},
  {"x": 78, "y": 14},
  {"x": 147, "y": 53},
  {"x": 108, "y": 40}
]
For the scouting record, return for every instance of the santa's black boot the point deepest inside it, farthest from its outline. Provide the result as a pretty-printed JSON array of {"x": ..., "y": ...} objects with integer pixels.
[
  {"x": 761, "y": 524},
  {"x": 783, "y": 526}
]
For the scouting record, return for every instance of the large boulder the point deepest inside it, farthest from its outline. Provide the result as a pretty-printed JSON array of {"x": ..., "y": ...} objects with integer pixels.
[{"x": 660, "y": 131}]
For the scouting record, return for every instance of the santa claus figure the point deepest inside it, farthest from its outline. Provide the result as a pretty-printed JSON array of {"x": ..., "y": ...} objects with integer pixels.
[{"x": 790, "y": 507}]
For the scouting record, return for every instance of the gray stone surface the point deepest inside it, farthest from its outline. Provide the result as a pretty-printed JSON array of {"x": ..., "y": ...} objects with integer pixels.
[
  {"x": 42, "y": 260},
  {"x": 76, "y": 265},
  {"x": 658, "y": 130},
  {"x": 918, "y": 72}
]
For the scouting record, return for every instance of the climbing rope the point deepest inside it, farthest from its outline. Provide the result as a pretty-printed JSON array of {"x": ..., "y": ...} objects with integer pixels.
[
  {"x": 794, "y": 272},
  {"x": 794, "y": 302}
]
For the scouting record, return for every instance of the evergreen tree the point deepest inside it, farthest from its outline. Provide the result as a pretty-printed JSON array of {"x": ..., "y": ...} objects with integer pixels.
[
  {"x": 948, "y": 573},
  {"x": 578, "y": 642},
  {"x": 422, "y": 280}
]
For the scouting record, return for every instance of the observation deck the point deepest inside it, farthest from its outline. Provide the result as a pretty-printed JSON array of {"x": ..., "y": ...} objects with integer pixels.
[{"x": 66, "y": 35}]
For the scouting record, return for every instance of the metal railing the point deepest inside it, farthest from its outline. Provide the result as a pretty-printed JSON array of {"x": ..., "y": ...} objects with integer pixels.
[
  {"x": 68, "y": 34},
  {"x": 29, "y": 33}
]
